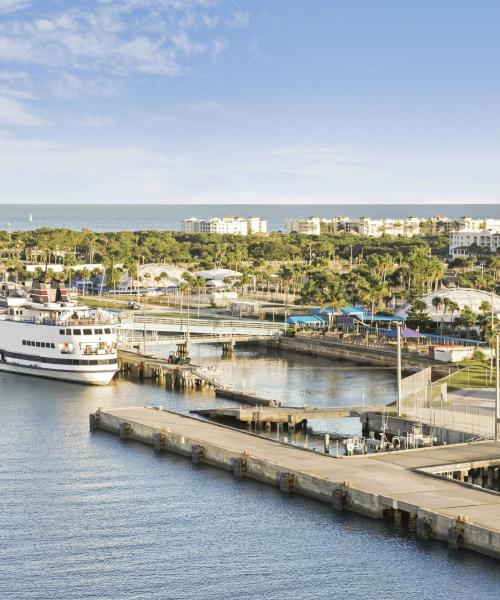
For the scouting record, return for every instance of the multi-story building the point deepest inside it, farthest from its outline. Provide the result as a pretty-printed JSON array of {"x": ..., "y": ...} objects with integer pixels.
[
  {"x": 407, "y": 227},
  {"x": 226, "y": 225},
  {"x": 307, "y": 226},
  {"x": 470, "y": 224},
  {"x": 464, "y": 241},
  {"x": 256, "y": 225}
]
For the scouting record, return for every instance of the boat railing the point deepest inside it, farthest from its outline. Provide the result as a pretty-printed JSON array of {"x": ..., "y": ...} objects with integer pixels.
[{"x": 60, "y": 322}]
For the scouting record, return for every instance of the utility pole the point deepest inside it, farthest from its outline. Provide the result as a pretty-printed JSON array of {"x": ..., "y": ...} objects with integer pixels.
[
  {"x": 497, "y": 399},
  {"x": 398, "y": 366}
]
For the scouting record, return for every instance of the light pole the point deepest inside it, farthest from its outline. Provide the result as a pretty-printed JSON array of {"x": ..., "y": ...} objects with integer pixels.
[
  {"x": 497, "y": 399},
  {"x": 398, "y": 366}
]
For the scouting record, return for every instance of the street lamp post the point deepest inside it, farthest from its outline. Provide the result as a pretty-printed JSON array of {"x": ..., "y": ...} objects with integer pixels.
[
  {"x": 398, "y": 366},
  {"x": 497, "y": 398}
]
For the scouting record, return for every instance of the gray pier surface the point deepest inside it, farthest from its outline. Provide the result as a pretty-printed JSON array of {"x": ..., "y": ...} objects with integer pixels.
[
  {"x": 378, "y": 485},
  {"x": 286, "y": 414}
]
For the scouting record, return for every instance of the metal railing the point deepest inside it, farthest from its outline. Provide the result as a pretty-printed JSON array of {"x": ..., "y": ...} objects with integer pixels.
[
  {"x": 59, "y": 322},
  {"x": 213, "y": 323}
]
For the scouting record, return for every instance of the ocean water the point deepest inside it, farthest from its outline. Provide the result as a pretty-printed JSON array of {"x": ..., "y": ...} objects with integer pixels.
[
  {"x": 86, "y": 516},
  {"x": 126, "y": 217}
]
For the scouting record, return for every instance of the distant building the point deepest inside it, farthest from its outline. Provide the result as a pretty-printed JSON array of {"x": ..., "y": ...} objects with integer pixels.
[
  {"x": 226, "y": 225},
  {"x": 470, "y": 224},
  {"x": 307, "y": 226},
  {"x": 407, "y": 227},
  {"x": 464, "y": 241}
]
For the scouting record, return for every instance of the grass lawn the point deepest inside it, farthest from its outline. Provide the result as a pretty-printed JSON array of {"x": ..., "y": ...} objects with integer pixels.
[{"x": 474, "y": 374}]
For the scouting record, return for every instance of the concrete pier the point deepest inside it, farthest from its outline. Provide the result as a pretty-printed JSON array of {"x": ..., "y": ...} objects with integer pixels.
[
  {"x": 392, "y": 485},
  {"x": 285, "y": 414},
  {"x": 344, "y": 350}
]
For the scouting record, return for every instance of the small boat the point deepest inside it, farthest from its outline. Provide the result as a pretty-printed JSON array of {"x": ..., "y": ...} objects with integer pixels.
[{"x": 30, "y": 218}]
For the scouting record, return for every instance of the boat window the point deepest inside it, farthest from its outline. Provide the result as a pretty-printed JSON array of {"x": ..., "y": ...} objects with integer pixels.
[
  {"x": 107, "y": 330},
  {"x": 62, "y": 331},
  {"x": 42, "y": 344},
  {"x": 52, "y": 345},
  {"x": 37, "y": 344},
  {"x": 87, "y": 332},
  {"x": 77, "y": 332},
  {"x": 98, "y": 331},
  {"x": 68, "y": 331},
  {"x": 24, "y": 342}
]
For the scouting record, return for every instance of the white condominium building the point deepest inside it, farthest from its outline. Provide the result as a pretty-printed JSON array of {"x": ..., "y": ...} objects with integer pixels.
[
  {"x": 470, "y": 224},
  {"x": 307, "y": 226},
  {"x": 226, "y": 225},
  {"x": 461, "y": 241},
  {"x": 363, "y": 225}
]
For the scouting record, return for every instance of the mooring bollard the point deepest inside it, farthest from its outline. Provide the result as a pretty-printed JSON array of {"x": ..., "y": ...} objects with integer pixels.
[
  {"x": 94, "y": 420},
  {"x": 158, "y": 441},
  {"x": 287, "y": 482},
  {"x": 327, "y": 443},
  {"x": 125, "y": 430},
  {"x": 197, "y": 453}
]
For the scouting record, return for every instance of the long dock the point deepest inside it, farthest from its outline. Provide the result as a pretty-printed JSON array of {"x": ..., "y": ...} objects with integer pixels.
[
  {"x": 292, "y": 415},
  {"x": 391, "y": 485}
]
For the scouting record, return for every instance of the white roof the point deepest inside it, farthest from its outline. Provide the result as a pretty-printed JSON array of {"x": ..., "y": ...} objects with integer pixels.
[
  {"x": 462, "y": 296},
  {"x": 218, "y": 274},
  {"x": 172, "y": 278}
]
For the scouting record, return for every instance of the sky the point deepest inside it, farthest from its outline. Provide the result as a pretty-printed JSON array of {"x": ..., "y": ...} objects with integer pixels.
[{"x": 249, "y": 101}]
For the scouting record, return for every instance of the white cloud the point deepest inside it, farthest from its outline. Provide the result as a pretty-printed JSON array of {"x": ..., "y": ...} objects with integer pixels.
[
  {"x": 218, "y": 47},
  {"x": 203, "y": 108},
  {"x": 7, "y": 6},
  {"x": 182, "y": 42},
  {"x": 85, "y": 173},
  {"x": 120, "y": 37},
  {"x": 238, "y": 19},
  {"x": 95, "y": 121},
  {"x": 69, "y": 85},
  {"x": 313, "y": 160},
  {"x": 15, "y": 113}
]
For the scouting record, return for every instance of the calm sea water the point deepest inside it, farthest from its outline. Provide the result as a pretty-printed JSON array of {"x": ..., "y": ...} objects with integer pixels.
[
  {"x": 87, "y": 516},
  {"x": 125, "y": 217}
]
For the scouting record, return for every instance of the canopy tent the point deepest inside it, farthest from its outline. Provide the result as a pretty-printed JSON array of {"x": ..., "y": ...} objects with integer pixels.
[
  {"x": 406, "y": 333},
  {"x": 381, "y": 318},
  {"x": 302, "y": 320}
]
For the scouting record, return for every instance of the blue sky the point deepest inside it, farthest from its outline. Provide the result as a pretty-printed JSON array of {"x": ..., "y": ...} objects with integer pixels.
[{"x": 301, "y": 101}]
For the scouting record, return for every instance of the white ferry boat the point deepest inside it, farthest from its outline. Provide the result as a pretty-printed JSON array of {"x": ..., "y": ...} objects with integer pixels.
[{"x": 42, "y": 333}]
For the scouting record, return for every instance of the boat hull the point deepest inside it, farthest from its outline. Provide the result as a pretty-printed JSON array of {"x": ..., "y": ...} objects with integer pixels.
[{"x": 85, "y": 377}]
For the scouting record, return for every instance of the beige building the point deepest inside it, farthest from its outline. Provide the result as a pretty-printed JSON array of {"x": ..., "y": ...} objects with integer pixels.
[{"x": 225, "y": 225}]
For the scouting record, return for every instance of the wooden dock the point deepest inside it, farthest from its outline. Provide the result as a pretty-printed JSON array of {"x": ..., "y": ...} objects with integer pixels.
[
  {"x": 291, "y": 415},
  {"x": 148, "y": 366},
  {"x": 391, "y": 485}
]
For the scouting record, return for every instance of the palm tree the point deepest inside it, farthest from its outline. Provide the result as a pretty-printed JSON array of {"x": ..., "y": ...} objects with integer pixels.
[
  {"x": 453, "y": 307},
  {"x": 446, "y": 306},
  {"x": 437, "y": 301},
  {"x": 373, "y": 291},
  {"x": 199, "y": 284},
  {"x": 467, "y": 318},
  {"x": 182, "y": 288},
  {"x": 286, "y": 274}
]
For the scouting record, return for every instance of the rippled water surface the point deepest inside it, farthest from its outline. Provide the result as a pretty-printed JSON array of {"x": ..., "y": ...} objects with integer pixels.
[{"x": 87, "y": 516}]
